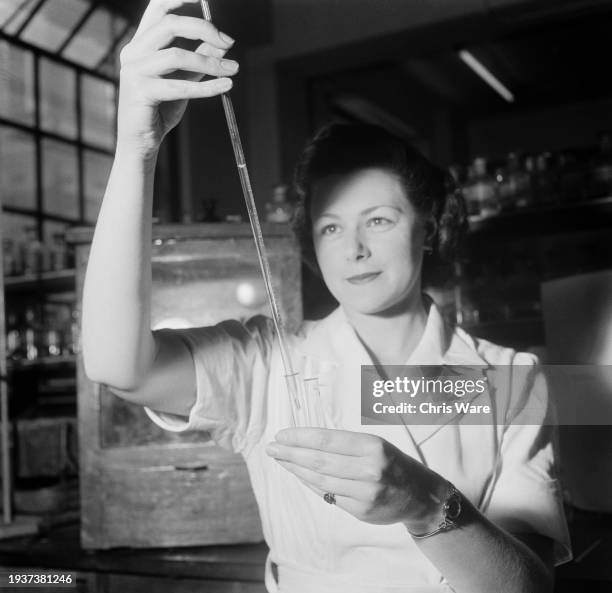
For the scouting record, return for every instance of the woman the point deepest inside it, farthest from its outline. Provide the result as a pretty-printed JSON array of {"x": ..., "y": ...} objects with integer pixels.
[{"x": 344, "y": 507}]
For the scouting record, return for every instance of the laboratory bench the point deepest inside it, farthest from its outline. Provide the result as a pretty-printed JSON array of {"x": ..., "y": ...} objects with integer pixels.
[
  {"x": 213, "y": 569},
  {"x": 239, "y": 568}
]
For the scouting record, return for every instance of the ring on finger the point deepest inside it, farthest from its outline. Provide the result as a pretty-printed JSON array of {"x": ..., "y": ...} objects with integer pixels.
[{"x": 329, "y": 498}]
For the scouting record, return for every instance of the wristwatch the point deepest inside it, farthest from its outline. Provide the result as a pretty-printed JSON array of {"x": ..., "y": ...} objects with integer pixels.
[{"x": 451, "y": 509}]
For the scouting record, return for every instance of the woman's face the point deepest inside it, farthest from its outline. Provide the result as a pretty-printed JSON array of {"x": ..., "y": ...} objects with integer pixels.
[{"x": 368, "y": 239}]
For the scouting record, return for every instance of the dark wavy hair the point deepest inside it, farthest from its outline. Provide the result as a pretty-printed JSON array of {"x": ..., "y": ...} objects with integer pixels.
[{"x": 341, "y": 149}]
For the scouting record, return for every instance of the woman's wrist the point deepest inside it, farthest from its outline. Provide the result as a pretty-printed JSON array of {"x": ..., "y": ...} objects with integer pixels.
[
  {"x": 429, "y": 513},
  {"x": 137, "y": 151}
]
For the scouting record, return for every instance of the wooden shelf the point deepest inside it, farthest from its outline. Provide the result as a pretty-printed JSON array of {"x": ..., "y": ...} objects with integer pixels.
[
  {"x": 62, "y": 281},
  {"x": 546, "y": 220},
  {"x": 43, "y": 362},
  {"x": 171, "y": 233}
]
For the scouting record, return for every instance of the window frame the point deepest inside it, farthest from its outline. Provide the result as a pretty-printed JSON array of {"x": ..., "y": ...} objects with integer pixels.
[{"x": 38, "y": 134}]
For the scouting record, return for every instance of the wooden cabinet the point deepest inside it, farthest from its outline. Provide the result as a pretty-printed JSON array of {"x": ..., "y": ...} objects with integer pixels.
[{"x": 142, "y": 486}]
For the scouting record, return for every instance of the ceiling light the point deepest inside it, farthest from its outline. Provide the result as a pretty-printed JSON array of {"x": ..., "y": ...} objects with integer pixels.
[{"x": 486, "y": 75}]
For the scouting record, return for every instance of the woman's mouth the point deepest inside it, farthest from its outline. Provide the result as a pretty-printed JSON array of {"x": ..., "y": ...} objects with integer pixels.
[{"x": 363, "y": 278}]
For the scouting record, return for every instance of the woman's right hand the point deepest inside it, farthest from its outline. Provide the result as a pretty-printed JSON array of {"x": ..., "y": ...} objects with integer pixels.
[{"x": 150, "y": 104}]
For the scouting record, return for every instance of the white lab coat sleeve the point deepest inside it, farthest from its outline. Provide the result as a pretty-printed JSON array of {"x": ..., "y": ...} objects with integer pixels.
[
  {"x": 526, "y": 495},
  {"x": 232, "y": 362}
]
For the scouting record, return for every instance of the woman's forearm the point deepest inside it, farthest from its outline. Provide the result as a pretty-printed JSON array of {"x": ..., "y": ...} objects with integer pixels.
[
  {"x": 479, "y": 557},
  {"x": 118, "y": 345}
]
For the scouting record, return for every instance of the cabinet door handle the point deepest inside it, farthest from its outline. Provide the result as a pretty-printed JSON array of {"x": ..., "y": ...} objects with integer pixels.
[{"x": 195, "y": 467}]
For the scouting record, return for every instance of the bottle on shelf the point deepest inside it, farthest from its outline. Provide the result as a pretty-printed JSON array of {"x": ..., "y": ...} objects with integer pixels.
[
  {"x": 51, "y": 342},
  {"x": 70, "y": 335},
  {"x": 10, "y": 261},
  {"x": 480, "y": 190},
  {"x": 530, "y": 170},
  {"x": 545, "y": 182},
  {"x": 33, "y": 252},
  {"x": 279, "y": 209},
  {"x": 519, "y": 182},
  {"x": 14, "y": 338},
  {"x": 503, "y": 189},
  {"x": 601, "y": 168},
  {"x": 58, "y": 253},
  {"x": 31, "y": 334}
]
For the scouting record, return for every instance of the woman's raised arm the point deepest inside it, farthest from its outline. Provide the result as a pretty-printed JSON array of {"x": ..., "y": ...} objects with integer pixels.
[{"x": 119, "y": 348}]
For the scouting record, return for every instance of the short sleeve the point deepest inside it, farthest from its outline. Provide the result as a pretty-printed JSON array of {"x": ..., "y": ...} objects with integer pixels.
[
  {"x": 232, "y": 361},
  {"x": 526, "y": 495}
]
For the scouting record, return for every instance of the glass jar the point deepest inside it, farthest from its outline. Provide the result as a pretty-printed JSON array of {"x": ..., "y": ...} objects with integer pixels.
[
  {"x": 480, "y": 190},
  {"x": 279, "y": 209}
]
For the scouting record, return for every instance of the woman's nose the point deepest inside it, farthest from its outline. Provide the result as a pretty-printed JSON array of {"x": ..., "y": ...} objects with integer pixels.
[{"x": 356, "y": 247}]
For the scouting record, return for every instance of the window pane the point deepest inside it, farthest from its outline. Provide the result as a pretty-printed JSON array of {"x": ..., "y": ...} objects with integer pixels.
[
  {"x": 25, "y": 9},
  {"x": 97, "y": 169},
  {"x": 8, "y": 8},
  {"x": 98, "y": 109},
  {"x": 53, "y": 23},
  {"x": 17, "y": 168},
  {"x": 60, "y": 173},
  {"x": 93, "y": 40},
  {"x": 111, "y": 65},
  {"x": 57, "y": 98},
  {"x": 16, "y": 84}
]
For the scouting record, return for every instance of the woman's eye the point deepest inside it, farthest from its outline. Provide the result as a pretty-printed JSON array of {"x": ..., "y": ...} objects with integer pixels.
[
  {"x": 378, "y": 221},
  {"x": 329, "y": 229}
]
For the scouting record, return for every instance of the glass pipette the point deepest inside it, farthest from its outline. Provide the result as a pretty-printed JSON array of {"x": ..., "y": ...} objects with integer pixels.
[{"x": 247, "y": 191}]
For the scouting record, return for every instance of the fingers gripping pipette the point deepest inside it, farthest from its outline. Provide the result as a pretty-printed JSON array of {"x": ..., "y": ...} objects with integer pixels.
[{"x": 290, "y": 374}]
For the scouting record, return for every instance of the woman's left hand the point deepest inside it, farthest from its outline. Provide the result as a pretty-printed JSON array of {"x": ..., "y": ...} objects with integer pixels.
[{"x": 370, "y": 478}]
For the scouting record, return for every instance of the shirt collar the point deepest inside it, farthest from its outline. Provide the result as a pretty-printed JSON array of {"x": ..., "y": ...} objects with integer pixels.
[{"x": 333, "y": 339}]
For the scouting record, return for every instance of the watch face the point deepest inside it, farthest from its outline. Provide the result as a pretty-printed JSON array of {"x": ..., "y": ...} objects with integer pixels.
[{"x": 453, "y": 507}]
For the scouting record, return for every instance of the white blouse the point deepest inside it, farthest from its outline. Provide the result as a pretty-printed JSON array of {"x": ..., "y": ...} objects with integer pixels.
[{"x": 506, "y": 470}]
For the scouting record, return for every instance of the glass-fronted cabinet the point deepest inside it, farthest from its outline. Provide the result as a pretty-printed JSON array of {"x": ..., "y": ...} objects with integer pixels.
[{"x": 132, "y": 472}]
